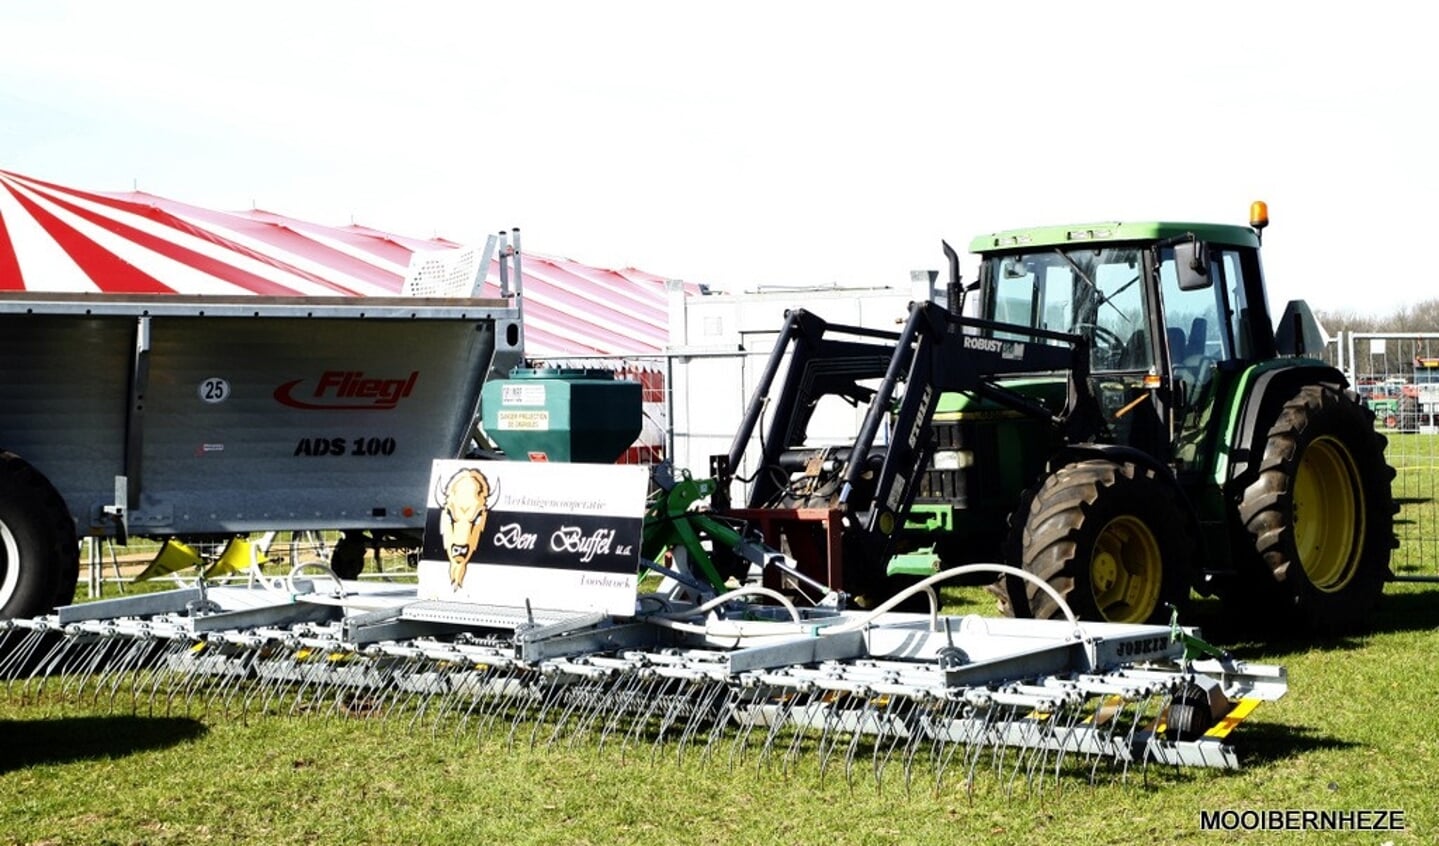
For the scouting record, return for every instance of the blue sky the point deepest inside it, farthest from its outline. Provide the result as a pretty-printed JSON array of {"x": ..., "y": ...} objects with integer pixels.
[{"x": 743, "y": 143}]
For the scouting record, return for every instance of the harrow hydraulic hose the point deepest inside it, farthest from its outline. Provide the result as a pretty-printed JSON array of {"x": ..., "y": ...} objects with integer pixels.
[
  {"x": 748, "y": 590},
  {"x": 677, "y": 620},
  {"x": 945, "y": 575}
]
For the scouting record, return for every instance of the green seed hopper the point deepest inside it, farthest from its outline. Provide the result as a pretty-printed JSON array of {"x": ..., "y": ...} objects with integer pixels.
[{"x": 562, "y": 414}]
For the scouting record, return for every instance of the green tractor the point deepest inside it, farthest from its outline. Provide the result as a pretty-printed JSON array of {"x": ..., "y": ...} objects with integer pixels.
[{"x": 1108, "y": 407}]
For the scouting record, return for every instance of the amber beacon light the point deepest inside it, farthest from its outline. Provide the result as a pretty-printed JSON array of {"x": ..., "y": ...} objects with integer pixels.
[{"x": 1258, "y": 214}]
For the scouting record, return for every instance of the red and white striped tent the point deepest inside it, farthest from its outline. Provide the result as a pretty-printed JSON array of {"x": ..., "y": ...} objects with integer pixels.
[{"x": 55, "y": 238}]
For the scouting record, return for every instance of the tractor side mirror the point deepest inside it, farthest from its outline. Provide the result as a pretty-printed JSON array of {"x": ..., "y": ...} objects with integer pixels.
[{"x": 1191, "y": 259}]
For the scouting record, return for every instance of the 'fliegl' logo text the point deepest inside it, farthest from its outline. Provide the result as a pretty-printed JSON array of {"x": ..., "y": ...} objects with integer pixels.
[{"x": 347, "y": 389}]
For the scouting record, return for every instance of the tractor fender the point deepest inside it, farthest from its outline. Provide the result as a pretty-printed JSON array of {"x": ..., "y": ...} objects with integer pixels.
[
  {"x": 1270, "y": 387},
  {"x": 1113, "y": 452},
  {"x": 1120, "y": 453}
]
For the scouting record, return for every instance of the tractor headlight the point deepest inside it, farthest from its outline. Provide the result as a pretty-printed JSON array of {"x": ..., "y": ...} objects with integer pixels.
[{"x": 952, "y": 459}]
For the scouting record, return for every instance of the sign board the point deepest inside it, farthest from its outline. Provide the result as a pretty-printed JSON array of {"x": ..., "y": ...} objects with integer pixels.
[{"x": 559, "y": 536}]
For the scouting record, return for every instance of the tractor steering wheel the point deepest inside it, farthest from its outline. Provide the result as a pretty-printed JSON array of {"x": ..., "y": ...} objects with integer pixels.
[{"x": 1108, "y": 346}]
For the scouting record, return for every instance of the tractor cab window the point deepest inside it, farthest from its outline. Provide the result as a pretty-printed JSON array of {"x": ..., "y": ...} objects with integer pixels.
[
  {"x": 1096, "y": 293},
  {"x": 1197, "y": 323}
]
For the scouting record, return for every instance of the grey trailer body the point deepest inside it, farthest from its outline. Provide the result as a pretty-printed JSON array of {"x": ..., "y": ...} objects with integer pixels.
[{"x": 176, "y": 415}]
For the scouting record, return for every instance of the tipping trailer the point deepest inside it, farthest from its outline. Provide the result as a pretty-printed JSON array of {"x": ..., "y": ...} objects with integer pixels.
[{"x": 182, "y": 416}]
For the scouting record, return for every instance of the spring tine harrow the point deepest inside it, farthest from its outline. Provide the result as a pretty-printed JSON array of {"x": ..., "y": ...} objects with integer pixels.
[{"x": 1032, "y": 702}]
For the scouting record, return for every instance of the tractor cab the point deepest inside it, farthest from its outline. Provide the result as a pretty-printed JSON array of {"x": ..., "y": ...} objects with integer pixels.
[{"x": 1168, "y": 309}]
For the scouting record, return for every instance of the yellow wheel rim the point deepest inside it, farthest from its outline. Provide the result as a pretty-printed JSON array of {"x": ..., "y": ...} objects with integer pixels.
[
  {"x": 1328, "y": 514},
  {"x": 1126, "y": 572}
]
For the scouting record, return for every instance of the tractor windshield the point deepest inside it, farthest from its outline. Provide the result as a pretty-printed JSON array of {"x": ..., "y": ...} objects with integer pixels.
[{"x": 1096, "y": 293}]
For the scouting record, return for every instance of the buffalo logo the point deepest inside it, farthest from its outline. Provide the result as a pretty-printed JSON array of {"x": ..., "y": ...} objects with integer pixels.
[{"x": 465, "y": 502}]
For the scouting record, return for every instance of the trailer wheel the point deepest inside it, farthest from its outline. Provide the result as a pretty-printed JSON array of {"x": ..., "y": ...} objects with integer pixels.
[
  {"x": 1320, "y": 512},
  {"x": 1189, "y": 714},
  {"x": 1108, "y": 537},
  {"x": 347, "y": 559},
  {"x": 39, "y": 553}
]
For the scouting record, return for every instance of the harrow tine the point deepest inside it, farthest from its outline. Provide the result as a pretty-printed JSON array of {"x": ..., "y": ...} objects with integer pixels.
[
  {"x": 636, "y": 708},
  {"x": 10, "y": 641},
  {"x": 726, "y": 714},
  {"x": 371, "y": 701},
  {"x": 314, "y": 691},
  {"x": 682, "y": 703},
  {"x": 984, "y": 734},
  {"x": 509, "y": 688},
  {"x": 919, "y": 729},
  {"x": 803, "y": 726},
  {"x": 274, "y": 673},
  {"x": 402, "y": 686},
  {"x": 434, "y": 682},
  {"x": 461, "y": 689},
  {"x": 346, "y": 674},
  {"x": 1032, "y": 730},
  {"x": 586, "y": 699},
  {"x": 832, "y": 730},
  {"x": 705, "y": 708},
  {"x": 481, "y": 675},
  {"x": 901, "y": 723},
  {"x": 185, "y": 684},
  {"x": 20, "y": 647},
  {"x": 553, "y": 685},
  {"x": 240, "y": 671},
  {"x": 778, "y": 716},
  {"x": 143, "y": 678},
  {"x": 869, "y": 716},
  {"x": 744, "y": 715},
  {"x": 113, "y": 674},
  {"x": 584, "y": 694},
  {"x": 649, "y": 693},
  {"x": 314, "y": 694},
  {"x": 50, "y": 663},
  {"x": 622, "y": 696},
  {"x": 83, "y": 664},
  {"x": 1110, "y": 725}
]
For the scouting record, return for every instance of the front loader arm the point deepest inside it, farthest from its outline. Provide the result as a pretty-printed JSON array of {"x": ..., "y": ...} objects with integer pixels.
[{"x": 935, "y": 352}]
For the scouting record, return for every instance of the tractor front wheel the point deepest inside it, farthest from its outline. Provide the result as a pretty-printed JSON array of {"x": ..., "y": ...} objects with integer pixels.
[
  {"x": 1108, "y": 537},
  {"x": 1320, "y": 512}
]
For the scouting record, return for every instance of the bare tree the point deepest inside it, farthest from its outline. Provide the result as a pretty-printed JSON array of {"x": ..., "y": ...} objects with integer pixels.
[{"x": 1415, "y": 318}]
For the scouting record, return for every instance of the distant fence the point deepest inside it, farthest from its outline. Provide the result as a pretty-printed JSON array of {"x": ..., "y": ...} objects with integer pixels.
[{"x": 1397, "y": 375}]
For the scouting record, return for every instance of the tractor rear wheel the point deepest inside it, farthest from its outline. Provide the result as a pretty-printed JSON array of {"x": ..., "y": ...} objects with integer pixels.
[
  {"x": 1320, "y": 512},
  {"x": 1108, "y": 537},
  {"x": 39, "y": 553}
]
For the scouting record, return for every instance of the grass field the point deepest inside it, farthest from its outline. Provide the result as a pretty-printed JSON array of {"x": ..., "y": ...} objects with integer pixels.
[{"x": 1353, "y": 734}]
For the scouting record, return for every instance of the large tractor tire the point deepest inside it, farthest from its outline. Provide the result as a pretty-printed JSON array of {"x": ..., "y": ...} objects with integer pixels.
[
  {"x": 1320, "y": 513},
  {"x": 39, "y": 553},
  {"x": 1107, "y": 536}
]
